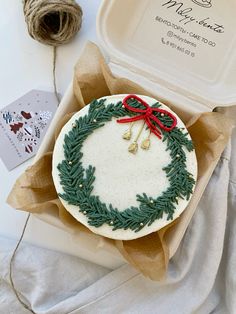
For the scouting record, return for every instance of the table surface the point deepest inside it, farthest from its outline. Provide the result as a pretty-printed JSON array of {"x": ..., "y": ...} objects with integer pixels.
[{"x": 26, "y": 64}]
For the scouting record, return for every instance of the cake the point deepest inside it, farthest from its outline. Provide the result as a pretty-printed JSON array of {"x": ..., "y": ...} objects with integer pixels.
[{"x": 124, "y": 166}]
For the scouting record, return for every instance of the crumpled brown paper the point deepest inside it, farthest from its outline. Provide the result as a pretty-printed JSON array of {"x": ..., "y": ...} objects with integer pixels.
[{"x": 34, "y": 190}]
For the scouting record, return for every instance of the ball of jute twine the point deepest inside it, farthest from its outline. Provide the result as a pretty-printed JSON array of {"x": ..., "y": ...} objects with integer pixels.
[{"x": 54, "y": 23}]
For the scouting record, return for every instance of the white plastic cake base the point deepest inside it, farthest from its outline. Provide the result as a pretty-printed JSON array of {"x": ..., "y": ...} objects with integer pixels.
[{"x": 120, "y": 175}]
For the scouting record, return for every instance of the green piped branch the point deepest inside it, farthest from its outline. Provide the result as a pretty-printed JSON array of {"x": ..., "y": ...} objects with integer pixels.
[{"x": 77, "y": 182}]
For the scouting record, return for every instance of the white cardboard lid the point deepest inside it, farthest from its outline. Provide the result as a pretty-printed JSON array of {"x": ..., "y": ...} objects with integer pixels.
[{"x": 186, "y": 46}]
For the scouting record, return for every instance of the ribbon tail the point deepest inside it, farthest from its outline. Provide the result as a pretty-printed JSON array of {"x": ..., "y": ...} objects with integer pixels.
[
  {"x": 153, "y": 128},
  {"x": 157, "y": 133}
]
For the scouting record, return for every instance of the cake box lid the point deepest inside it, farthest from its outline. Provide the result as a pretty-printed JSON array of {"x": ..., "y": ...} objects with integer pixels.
[{"x": 186, "y": 48}]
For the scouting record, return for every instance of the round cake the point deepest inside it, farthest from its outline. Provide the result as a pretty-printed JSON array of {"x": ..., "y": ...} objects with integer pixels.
[{"x": 124, "y": 166}]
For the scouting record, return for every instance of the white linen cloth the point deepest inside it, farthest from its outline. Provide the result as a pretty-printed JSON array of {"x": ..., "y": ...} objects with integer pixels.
[{"x": 201, "y": 276}]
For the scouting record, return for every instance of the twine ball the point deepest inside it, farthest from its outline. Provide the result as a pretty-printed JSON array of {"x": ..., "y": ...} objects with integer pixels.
[{"x": 53, "y": 22}]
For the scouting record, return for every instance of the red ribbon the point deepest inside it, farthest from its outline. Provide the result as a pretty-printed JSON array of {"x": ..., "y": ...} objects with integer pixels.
[{"x": 148, "y": 116}]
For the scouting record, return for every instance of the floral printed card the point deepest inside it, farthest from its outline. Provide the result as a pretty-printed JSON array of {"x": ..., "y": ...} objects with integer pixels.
[{"x": 23, "y": 125}]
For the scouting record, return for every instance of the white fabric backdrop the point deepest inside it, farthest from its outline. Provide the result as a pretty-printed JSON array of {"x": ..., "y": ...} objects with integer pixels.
[{"x": 201, "y": 277}]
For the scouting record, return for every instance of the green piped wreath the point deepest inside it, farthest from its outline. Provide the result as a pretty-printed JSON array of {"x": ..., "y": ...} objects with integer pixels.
[{"x": 77, "y": 182}]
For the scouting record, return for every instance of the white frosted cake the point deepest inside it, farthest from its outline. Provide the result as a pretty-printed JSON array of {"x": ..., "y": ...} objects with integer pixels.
[{"x": 124, "y": 166}]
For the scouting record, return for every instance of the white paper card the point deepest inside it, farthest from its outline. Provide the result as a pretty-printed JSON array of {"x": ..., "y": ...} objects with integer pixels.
[{"x": 23, "y": 124}]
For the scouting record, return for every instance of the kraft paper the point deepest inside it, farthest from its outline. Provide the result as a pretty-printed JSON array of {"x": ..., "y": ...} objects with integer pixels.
[{"x": 34, "y": 190}]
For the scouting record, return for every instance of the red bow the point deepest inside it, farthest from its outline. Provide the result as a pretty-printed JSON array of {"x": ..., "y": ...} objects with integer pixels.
[{"x": 148, "y": 116}]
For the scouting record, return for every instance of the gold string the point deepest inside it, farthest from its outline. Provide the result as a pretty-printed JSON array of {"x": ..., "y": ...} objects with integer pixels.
[
  {"x": 139, "y": 133},
  {"x": 134, "y": 146}
]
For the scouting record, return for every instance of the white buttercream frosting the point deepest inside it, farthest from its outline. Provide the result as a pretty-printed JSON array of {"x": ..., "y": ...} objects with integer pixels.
[{"x": 121, "y": 175}]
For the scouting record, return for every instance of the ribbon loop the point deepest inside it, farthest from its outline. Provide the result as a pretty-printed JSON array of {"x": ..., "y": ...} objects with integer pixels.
[{"x": 148, "y": 116}]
